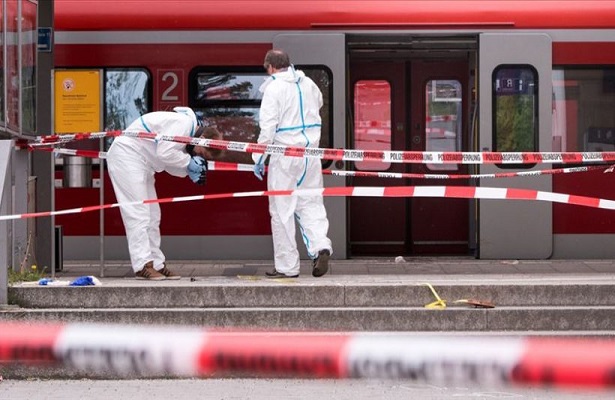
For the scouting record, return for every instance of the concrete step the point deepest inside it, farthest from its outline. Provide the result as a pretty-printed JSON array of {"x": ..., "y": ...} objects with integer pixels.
[
  {"x": 313, "y": 293},
  {"x": 509, "y": 319},
  {"x": 371, "y": 302}
]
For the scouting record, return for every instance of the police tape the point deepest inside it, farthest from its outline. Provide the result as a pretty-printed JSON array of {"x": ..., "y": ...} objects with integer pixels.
[
  {"x": 225, "y": 166},
  {"x": 458, "y": 192},
  {"x": 176, "y": 351},
  {"x": 414, "y": 157},
  {"x": 406, "y": 175},
  {"x": 211, "y": 165}
]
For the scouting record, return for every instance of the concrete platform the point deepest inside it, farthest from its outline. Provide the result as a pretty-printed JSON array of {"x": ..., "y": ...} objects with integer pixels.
[
  {"x": 376, "y": 268},
  {"x": 359, "y": 294}
]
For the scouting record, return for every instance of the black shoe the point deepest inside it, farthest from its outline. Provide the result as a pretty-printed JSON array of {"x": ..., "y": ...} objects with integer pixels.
[
  {"x": 321, "y": 263},
  {"x": 275, "y": 274}
]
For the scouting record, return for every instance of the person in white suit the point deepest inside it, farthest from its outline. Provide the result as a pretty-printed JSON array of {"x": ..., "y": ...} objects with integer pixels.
[
  {"x": 290, "y": 116},
  {"x": 132, "y": 165}
]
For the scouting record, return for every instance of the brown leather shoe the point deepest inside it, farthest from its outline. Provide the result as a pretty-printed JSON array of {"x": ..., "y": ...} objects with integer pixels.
[
  {"x": 275, "y": 274},
  {"x": 170, "y": 275},
  {"x": 320, "y": 265},
  {"x": 149, "y": 273}
]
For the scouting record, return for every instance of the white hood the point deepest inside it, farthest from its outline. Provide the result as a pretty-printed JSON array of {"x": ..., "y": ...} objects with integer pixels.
[{"x": 291, "y": 75}]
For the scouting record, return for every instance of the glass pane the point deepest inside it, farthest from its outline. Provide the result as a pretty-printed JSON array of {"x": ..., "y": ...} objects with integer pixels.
[
  {"x": 443, "y": 128},
  {"x": 12, "y": 66},
  {"x": 516, "y": 105},
  {"x": 215, "y": 86},
  {"x": 372, "y": 120},
  {"x": 583, "y": 104},
  {"x": 322, "y": 78},
  {"x": 29, "y": 38},
  {"x": 2, "y": 66},
  {"x": 126, "y": 96},
  {"x": 238, "y": 124}
]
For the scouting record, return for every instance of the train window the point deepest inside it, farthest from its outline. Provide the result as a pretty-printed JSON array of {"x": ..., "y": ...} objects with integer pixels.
[
  {"x": 126, "y": 96},
  {"x": 372, "y": 120},
  {"x": 229, "y": 99},
  {"x": 515, "y": 113},
  {"x": 582, "y": 111},
  {"x": 322, "y": 77},
  {"x": 215, "y": 86},
  {"x": 443, "y": 128}
]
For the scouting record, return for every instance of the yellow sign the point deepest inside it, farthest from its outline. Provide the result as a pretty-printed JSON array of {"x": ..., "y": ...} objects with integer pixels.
[{"x": 77, "y": 101}]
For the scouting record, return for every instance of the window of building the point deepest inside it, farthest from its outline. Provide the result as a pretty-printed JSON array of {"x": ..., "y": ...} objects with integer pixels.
[
  {"x": 372, "y": 121},
  {"x": 12, "y": 66},
  {"x": 29, "y": 39},
  {"x": 515, "y": 108},
  {"x": 229, "y": 99},
  {"x": 18, "y": 47}
]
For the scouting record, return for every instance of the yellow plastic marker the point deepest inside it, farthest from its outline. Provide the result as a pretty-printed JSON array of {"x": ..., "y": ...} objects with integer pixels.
[{"x": 439, "y": 303}]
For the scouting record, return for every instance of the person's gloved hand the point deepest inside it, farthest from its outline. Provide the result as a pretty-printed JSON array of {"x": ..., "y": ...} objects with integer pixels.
[
  {"x": 259, "y": 171},
  {"x": 197, "y": 170}
]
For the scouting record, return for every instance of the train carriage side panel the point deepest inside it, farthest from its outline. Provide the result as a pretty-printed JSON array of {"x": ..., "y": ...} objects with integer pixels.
[{"x": 583, "y": 120}]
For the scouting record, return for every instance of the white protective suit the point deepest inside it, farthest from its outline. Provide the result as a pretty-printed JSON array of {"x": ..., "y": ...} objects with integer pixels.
[
  {"x": 289, "y": 115},
  {"x": 132, "y": 164}
]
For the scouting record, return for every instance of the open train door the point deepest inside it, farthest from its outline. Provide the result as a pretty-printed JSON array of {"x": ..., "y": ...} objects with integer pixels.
[
  {"x": 326, "y": 50},
  {"x": 515, "y": 115}
]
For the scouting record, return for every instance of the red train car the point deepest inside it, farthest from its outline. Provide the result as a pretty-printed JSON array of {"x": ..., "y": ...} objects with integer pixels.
[{"x": 505, "y": 76}]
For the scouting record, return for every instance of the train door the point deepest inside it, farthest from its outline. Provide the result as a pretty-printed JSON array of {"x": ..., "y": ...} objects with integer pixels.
[
  {"x": 420, "y": 104},
  {"x": 515, "y": 92}
]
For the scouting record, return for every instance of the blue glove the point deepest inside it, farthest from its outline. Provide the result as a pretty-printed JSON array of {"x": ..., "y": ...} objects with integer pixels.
[
  {"x": 259, "y": 171},
  {"x": 84, "y": 281},
  {"x": 197, "y": 170}
]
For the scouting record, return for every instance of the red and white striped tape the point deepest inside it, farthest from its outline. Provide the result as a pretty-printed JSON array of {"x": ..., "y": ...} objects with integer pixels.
[
  {"x": 459, "y": 192},
  {"x": 211, "y": 165},
  {"x": 224, "y": 166},
  {"x": 72, "y": 152},
  {"x": 402, "y": 175},
  {"x": 413, "y": 157},
  {"x": 125, "y": 350}
]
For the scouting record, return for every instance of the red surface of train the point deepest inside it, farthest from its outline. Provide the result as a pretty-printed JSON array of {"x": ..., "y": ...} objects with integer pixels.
[{"x": 509, "y": 76}]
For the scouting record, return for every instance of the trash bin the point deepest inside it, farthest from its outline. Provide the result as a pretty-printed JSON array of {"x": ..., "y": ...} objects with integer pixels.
[
  {"x": 59, "y": 248},
  {"x": 77, "y": 172}
]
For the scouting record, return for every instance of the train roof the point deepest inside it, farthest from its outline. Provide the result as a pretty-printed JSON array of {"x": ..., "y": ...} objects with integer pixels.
[{"x": 126, "y": 15}]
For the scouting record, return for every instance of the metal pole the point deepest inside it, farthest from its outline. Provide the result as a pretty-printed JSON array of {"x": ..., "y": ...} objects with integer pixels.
[
  {"x": 101, "y": 170},
  {"x": 42, "y": 162},
  {"x": 6, "y": 147}
]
